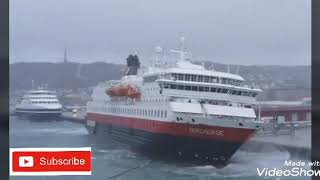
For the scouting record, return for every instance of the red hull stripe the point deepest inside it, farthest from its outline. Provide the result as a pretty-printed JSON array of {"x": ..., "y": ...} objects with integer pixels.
[{"x": 177, "y": 129}]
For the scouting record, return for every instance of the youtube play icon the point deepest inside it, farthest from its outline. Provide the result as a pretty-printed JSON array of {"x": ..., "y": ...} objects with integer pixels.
[{"x": 25, "y": 161}]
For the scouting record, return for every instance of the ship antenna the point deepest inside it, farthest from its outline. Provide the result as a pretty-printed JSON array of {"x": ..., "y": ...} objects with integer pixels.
[
  {"x": 237, "y": 71},
  {"x": 181, "y": 51},
  {"x": 158, "y": 51},
  {"x": 212, "y": 67},
  {"x": 182, "y": 40},
  {"x": 228, "y": 68}
]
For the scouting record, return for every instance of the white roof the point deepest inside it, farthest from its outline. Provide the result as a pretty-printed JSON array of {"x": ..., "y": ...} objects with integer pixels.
[{"x": 213, "y": 109}]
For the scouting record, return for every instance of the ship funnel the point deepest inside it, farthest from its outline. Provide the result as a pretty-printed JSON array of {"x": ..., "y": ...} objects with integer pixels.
[{"x": 133, "y": 65}]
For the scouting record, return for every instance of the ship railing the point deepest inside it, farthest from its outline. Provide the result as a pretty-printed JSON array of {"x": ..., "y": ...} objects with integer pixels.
[
  {"x": 208, "y": 96},
  {"x": 109, "y": 83},
  {"x": 170, "y": 80},
  {"x": 283, "y": 128},
  {"x": 165, "y": 76}
]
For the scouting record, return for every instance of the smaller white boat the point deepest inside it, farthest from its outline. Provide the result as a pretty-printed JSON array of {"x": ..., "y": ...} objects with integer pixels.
[{"x": 42, "y": 103}]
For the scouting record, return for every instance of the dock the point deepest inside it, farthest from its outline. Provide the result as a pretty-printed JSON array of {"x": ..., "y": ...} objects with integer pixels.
[{"x": 79, "y": 117}]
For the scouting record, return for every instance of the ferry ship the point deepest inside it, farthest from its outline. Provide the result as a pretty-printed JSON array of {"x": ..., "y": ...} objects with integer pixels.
[
  {"x": 180, "y": 109},
  {"x": 39, "y": 103}
]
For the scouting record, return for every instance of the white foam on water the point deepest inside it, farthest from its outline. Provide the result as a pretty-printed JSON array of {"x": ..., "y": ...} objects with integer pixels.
[
  {"x": 115, "y": 154},
  {"x": 243, "y": 164},
  {"x": 71, "y": 131},
  {"x": 103, "y": 151}
]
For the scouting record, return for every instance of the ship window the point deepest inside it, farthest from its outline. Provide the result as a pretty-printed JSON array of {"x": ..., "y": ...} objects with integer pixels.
[
  {"x": 194, "y": 88},
  {"x": 218, "y": 90},
  {"x": 206, "y": 79},
  {"x": 161, "y": 115},
  {"x": 223, "y": 81},
  {"x": 201, "y": 88},
  {"x": 180, "y": 76},
  {"x": 213, "y": 89},
  {"x": 181, "y": 87},
  {"x": 239, "y": 93},
  {"x": 211, "y": 79},
  {"x": 255, "y": 94},
  {"x": 165, "y": 114},
  {"x": 234, "y": 92},
  {"x": 166, "y": 86},
  {"x": 174, "y": 75},
  {"x": 173, "y": 86},
  {"x": 187, "y": 77},
  {"x": 206, "y": 89},
  {"x": 200, "y": 78},
  {"x": 193, "y": 77},
  {"x": 188, "y": 88},
  {"x": 158, "y": 114},
  {"x": 224, "y": 90}
]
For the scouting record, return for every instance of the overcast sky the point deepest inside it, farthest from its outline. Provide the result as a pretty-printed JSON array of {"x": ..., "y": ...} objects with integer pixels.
[{"x": 272, "y": 32}]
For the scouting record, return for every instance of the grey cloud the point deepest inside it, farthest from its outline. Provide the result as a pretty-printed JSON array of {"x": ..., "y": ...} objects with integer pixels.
[{"x": 229, "y": 31}]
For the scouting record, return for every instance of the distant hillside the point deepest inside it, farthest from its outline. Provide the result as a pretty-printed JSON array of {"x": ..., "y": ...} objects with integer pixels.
[
  {"x": 75, "y": 75},
  {"x": 267, "y": 77},
  {"x": 62, "y": 75}
]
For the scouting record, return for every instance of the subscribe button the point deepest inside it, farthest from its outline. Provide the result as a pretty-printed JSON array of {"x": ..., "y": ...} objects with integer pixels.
[{"x": 50, "y": 161}]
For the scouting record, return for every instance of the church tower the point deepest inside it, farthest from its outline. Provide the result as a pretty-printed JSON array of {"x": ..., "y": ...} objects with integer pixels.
[{"x": 65, "y": 57}]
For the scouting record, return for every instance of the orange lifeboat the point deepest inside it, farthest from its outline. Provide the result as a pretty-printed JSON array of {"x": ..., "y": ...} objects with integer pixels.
[{"x": 123, "y": 91}]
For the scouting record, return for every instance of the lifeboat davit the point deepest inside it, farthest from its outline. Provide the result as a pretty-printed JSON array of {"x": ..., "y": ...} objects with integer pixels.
[{"x": 123, "y": 91}]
